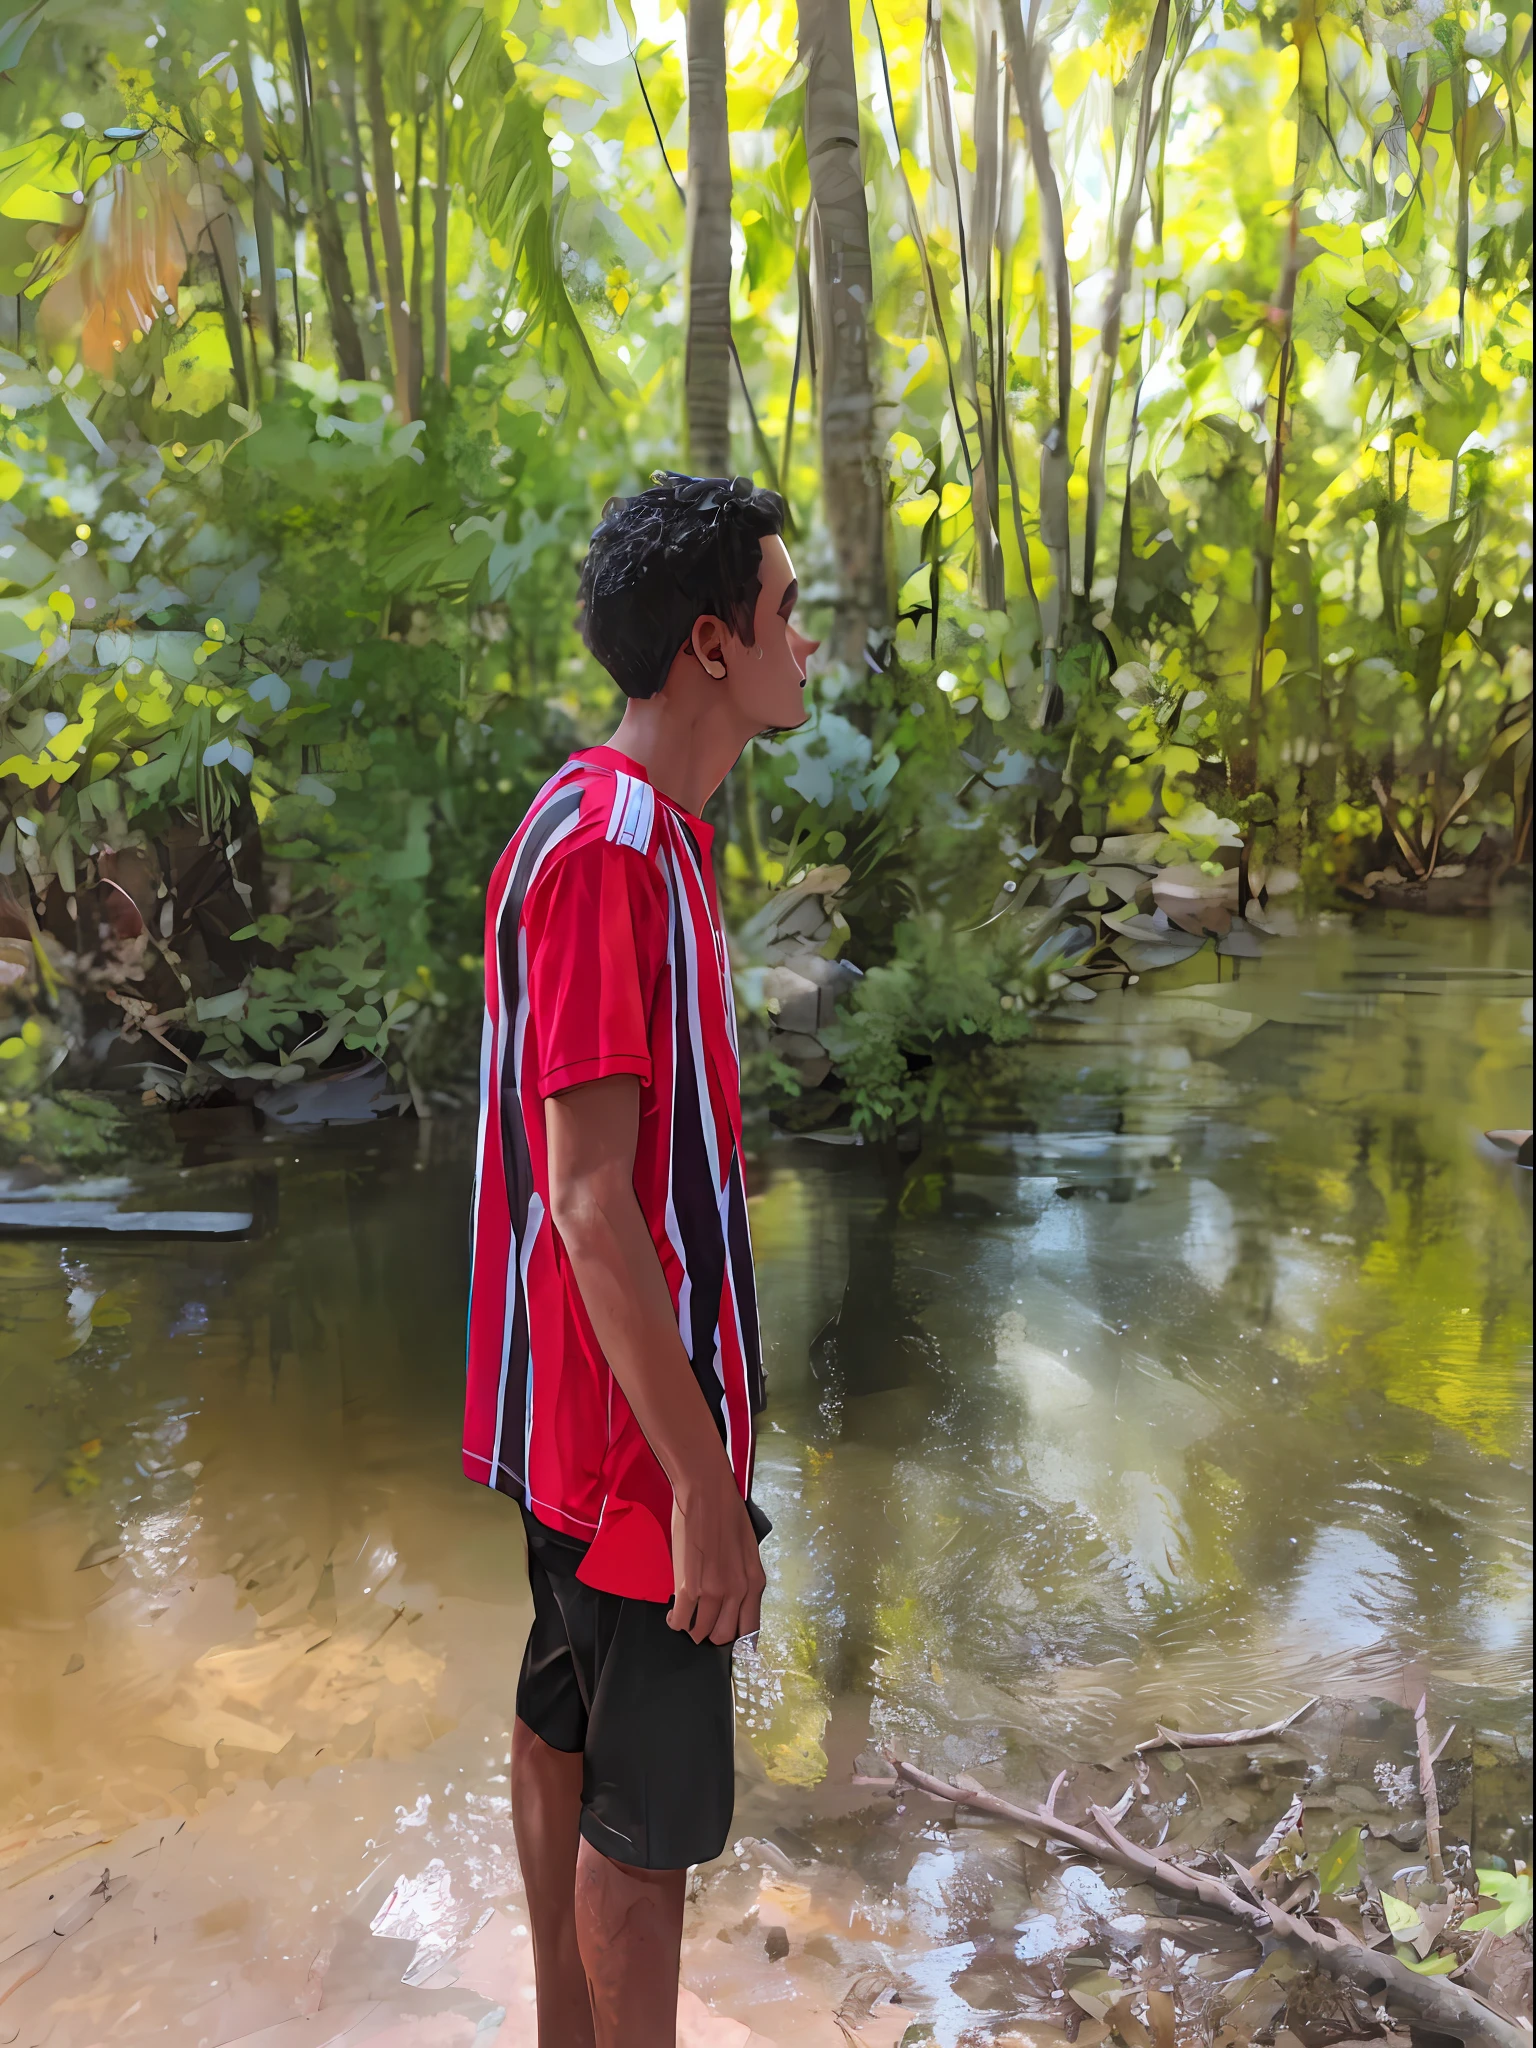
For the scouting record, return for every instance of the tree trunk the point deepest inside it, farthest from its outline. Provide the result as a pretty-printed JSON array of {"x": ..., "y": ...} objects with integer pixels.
[
  {"x": 418, "y": 281},
  {"x": 330, "y": 242},
  {"x": 261, "y": 197},
  {"x": 975, "y": 270},
  {"x": 226, "y": 258},
  {"x": 1002, "y": 413},
  {"x": 707, "y": 367},
  {"x": 1244, "y": 777},
  {"x": 343, "y": 59},
  {"x": 1109, "y": 346},
  {"x": 842, "y": 296},
  {"x": 1056, "y": 454},
  {"x": 440, "y": 350},
  {"x": 336, "y": 279},
  {"x": 787, "y": 448},
  {"x": 389, "y": 209},
  {"x": 986, "y": 222}
]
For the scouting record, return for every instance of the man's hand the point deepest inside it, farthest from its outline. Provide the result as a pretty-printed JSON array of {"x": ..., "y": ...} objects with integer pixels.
[
  {"x": 715, "y": 1566},
  {"x": 716, "y": 1574}
]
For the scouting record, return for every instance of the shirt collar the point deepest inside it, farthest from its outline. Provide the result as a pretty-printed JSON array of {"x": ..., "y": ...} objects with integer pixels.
[{"x": 621, "y": 763}]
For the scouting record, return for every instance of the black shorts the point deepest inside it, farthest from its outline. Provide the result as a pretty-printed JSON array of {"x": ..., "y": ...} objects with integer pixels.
[{"x": 649, "y": 1709}]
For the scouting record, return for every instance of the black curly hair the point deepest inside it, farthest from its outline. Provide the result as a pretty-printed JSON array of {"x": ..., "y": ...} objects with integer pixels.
[{"x": 688, "y": 548}]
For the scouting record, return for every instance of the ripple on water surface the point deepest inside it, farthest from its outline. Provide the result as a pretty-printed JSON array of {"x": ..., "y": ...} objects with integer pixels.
[{"x": 1198, "y": 1385}]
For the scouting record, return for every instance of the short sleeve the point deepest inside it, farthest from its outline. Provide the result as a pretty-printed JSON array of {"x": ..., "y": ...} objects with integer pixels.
[{"x": 596, "y": 931}]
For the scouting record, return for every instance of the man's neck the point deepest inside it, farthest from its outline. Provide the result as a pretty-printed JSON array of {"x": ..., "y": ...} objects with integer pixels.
[{"x": 687, "y": 743}]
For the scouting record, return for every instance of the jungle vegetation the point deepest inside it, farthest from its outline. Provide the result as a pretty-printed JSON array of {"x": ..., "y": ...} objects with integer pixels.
[{"x": 1149, "y": 384}]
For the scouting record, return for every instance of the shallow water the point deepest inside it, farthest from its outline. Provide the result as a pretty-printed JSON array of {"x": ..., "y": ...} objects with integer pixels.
[{"x": 1201, "y": 1390}]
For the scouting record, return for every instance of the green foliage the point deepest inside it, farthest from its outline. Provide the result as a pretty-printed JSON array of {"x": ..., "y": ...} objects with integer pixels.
[
  {"x": 286, "y": 633},
  {"x": 1514, "y": 1908},
  {"x": 1338, "y": 1868}
]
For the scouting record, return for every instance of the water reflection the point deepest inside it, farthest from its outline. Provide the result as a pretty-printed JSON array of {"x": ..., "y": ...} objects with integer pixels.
[{"x": 1197, "y": 1384}]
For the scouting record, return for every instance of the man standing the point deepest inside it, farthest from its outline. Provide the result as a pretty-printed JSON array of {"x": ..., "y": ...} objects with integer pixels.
[{"x": 614, "y": 1362}]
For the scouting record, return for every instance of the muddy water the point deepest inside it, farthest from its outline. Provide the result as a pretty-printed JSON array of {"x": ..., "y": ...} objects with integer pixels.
[{"x": 1196, "y": 1387}]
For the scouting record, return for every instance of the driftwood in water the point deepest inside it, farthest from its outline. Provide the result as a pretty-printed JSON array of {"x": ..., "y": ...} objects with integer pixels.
[
  {"x": 1175, "y": 1738},
  {"x": 1433, "y": 2003},
  {"x": 1428, "y": 1792},
  {"x": 56, "y": 1217}
]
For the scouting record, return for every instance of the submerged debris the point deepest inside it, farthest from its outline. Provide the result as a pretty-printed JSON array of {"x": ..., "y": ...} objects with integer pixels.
[{"x": 1414, "y": 1952}]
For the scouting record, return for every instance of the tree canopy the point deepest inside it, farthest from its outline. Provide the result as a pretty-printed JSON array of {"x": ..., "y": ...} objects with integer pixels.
[{"x": 1149, "y": 387}]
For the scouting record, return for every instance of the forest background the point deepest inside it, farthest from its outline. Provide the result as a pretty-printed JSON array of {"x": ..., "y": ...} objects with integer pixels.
[{"x": 1149, "y": 385}]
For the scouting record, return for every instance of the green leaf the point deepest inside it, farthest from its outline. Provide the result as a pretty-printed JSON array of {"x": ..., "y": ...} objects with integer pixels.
[
  {"x": 1338, "y": 1868},
  {"x": 513, "y": 195},
  {"x": 1432, "y": 1966},
  {"x": 16, "y": 33},
  {"x": 462, "y": 40},
  {"x": 1500, "y": 1919},
  {"x": 1514, "y": 1910},
  {"x": 1456, "y": 409},
  {"x": 1479, "y": 130},
  {"x": 1401, "y": 1917}
]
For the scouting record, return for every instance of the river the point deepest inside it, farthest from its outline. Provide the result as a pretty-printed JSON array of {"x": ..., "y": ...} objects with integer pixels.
[{"x": 1197, "y": 1387}]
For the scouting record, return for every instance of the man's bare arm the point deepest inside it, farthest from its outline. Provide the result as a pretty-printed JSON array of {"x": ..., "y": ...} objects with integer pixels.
[{"x": 591, "y": 1132}]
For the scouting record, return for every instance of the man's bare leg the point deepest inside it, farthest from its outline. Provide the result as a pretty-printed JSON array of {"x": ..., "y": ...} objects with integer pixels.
[
  {"x": 630, "y": 1926},
  {"x": 546, "y": 1819}
]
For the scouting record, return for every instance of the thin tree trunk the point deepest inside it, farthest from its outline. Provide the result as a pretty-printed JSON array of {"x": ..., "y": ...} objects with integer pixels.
[
  {"x": 300, "y": 71},
  {"x": 1109, "y": 343},
  {"x": 842, "y": 277},
  {"x": 226, "y": 258},
  {"x": 765, "y": 455},
  {"x": 1282, "y": 311},
  {"x": 802, "y": 292},
  {"x": 261, "y": 197},
  {"x": 920, "y": 243},
  {"x": 299, "y": 78},
  {"x": 300, "y": 323},
  {"x": 1055, "y": 454},
  {"x": 986, "y": 222},
  {"x": 984, "y": 493},
  {"x": 346, "y": 79},
  {"x": 418, "y": 264},
  {"x": 1127, "y": 548},
  {"x": 707, "y": 365},
  {"x": 389, "y": 210},
  {"x": 1192, "y": 14},
  {"x": 440, "y": 245},
  {"x": 335, "y": 272},
  {"x": 1002, "y": 416},
  {"x": 1465, "y": 161}
]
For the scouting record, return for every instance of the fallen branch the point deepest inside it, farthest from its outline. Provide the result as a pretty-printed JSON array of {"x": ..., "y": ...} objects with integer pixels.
[
  {"x": 1432, "y": 2002},
  {"x": 1269, "y": 1848},
  {"x": 139, "y": 1016},
  {"x": 1175, "y": 1738},
  {"x": 1429, "y": 1793}
]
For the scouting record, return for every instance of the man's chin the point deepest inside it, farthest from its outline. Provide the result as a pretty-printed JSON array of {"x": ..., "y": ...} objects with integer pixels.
[{"x": 769, "y": 732}]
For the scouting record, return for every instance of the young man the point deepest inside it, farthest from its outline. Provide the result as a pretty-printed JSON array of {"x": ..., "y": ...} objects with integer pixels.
[{"x": 614, "y": 1365}]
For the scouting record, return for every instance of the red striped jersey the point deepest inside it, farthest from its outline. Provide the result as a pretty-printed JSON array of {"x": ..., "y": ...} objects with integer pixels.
[{"x": 604, "y": 955}]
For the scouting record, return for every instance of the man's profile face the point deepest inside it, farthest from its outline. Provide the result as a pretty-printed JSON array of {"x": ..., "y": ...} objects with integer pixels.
[{"x": 767, "y": 679}]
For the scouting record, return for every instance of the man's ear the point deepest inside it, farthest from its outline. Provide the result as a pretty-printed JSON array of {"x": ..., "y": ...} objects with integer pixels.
[{"x": 708, "y": 640}]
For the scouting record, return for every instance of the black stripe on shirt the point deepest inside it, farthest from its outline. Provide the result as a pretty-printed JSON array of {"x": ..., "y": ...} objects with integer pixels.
[
  {"x": 693, "y": 1182},
  {"x": 509, "y": 1477}
]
